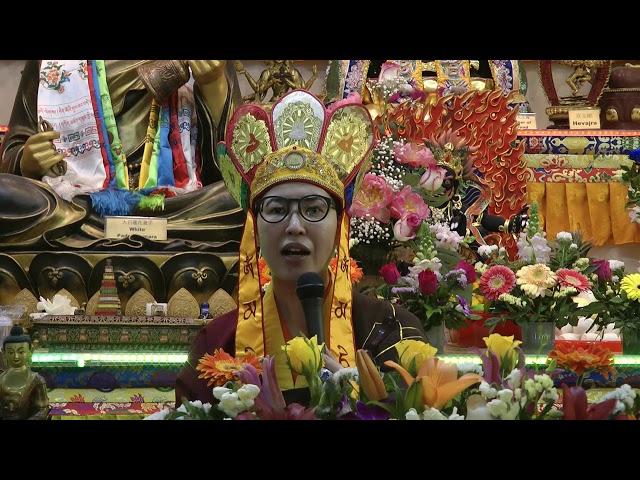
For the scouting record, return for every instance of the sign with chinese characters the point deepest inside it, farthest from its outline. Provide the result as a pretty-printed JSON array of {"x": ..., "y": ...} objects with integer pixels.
[
  {"x": 148, "y": 227},
  {"x": 526, "y": 121},
  {"x": 584, "y": 119}
]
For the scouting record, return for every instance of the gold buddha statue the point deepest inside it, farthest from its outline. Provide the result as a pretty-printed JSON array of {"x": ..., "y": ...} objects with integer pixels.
[
  {"x": 23, "y": 393},
  {"x": 34, "y": 216},
  {"x": 280, "y": 76}
]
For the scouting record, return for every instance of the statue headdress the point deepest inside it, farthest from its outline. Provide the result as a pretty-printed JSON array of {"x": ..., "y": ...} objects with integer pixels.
[
  {"x": 453, "y": 152},
  {"x": 298, "y": 140}
]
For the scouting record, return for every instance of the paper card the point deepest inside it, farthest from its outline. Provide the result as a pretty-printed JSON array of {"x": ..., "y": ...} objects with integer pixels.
[{"x": 148, "y": 227}]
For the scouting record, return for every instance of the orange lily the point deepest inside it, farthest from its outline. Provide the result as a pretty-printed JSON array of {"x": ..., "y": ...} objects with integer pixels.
[{"x": 439, "y": 380}]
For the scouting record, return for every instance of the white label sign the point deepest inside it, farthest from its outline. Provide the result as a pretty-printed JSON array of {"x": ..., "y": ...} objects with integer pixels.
[
  {"x": 148, "y": 227},
  {"x": 526, "y": 121},
  {"x": 584, "y": 119}
]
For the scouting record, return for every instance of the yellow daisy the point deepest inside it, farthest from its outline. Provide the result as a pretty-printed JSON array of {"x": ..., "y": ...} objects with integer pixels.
[{"x": 631, "y": 286}]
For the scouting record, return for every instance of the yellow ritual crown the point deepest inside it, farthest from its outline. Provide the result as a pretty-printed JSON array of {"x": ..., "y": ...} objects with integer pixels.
[{"x": 298, "y": 140}]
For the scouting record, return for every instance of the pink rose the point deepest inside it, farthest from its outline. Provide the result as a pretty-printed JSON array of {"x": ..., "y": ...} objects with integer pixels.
[
  {"x": 407, "y": 201},
  {"x": 414, "y": 155},
  {"x": 432, "y": 179},
  {"x": 373, "y": 198},
  {"x": 407, "y": 227}
]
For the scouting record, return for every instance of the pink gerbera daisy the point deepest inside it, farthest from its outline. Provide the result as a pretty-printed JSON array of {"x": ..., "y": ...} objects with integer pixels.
[
  {"x": 496, "y": 281},
  {"x": 572, "y": 278}
]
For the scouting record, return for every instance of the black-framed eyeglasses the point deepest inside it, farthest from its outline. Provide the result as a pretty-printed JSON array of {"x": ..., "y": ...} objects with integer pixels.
[{"x": 313, "y": 208}]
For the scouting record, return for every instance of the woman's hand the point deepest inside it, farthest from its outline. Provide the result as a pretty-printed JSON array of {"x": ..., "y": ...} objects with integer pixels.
[{"x": 330, "y": 362}]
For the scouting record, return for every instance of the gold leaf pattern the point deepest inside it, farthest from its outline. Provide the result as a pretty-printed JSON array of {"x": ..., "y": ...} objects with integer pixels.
[
  {"x": 347, "y": 140},
  {"x": 220, "y": 303},
  {"x": 250, "y": 141},
  {"x": 182, "y": 304},
  {"x": 137, "y": 304}
]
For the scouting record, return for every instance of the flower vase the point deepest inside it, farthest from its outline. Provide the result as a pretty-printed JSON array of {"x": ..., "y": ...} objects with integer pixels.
[
  {"x": 631, "y": 342},
  {"x": 435, "y": 337},
  {"x": 538, "y": 337}
]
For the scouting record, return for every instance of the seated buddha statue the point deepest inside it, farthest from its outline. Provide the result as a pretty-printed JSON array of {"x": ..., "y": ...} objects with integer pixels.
[
  {"x": 48, "y": 196},
  {"x": 23, "y": 393}
]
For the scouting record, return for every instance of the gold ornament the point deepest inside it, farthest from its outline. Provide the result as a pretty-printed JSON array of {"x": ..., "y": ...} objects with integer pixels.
[
  {"x": 183, "y": 305},
  {"x": 220, "y": 303},
  {"x": 137, "y": 304}
]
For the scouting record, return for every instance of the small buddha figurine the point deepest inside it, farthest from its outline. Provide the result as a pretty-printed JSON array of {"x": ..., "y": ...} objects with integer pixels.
[{"x": 23, "y": 393}]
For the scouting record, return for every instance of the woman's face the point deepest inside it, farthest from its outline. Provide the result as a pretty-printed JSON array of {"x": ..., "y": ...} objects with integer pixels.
[{"x": 295, "y": 245}]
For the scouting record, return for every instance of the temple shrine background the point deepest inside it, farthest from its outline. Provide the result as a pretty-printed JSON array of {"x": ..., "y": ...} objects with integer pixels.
[{"x": 10, "y": 77}]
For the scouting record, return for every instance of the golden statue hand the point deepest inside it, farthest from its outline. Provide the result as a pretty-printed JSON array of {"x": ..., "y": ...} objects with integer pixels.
[
  {"x": 211, "y": 78},
  {"x": 207, "y": 71},
  {"x": 39, "y": 155}
]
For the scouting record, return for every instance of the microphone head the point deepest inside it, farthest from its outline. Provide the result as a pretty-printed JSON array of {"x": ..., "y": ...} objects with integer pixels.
[{"x": 310, "y": 285}]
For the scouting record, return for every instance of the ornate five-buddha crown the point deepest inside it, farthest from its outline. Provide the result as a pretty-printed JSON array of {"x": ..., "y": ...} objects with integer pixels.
[{"x": 298, "y": 140}]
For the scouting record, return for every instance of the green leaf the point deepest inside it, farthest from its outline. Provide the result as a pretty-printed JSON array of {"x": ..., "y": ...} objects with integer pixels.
[
  {"x": 448, "y": 258},
  {"x": 412, "y": 179},
  {"x": 413, "y": 397},
  {"x": 552, "y": 366}
]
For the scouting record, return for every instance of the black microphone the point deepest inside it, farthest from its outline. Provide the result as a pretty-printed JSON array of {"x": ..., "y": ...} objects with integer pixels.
[{"x": 310, "y": 291}]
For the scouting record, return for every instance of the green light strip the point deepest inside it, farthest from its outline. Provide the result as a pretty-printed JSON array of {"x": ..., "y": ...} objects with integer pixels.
[
  {"x": 621, "y": 360},
  {"x": 462, "y": 358},
  {"x": 81, "y": 359}
]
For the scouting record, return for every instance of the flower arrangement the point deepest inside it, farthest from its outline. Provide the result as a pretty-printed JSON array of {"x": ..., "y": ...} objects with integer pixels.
[
  {"x": 614, "y": 301},
  {"x": 542, "y": 284},
  {"x": 387, "y": 210},
  {"x": 520, "y": 395},
  {"x": 418, "y": 386},
  {"x": 437, "y": 285}
]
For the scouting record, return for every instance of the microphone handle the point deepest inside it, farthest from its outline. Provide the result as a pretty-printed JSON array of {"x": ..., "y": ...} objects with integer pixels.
[{"x": 312, "y": 308}]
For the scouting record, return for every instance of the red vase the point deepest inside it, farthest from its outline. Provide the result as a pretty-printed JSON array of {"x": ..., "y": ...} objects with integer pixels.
[{"x": 473, "y": 333}]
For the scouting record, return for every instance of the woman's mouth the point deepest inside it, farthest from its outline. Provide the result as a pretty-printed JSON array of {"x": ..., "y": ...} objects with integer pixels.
[{"x": 295, "y": 251}]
